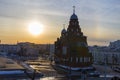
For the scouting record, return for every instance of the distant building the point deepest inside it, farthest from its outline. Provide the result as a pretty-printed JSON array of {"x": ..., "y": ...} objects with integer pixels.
[
  {"x": 109, "y": 54},
  {"x": 71, "y": 49},
  {"x": 27, "y": 49},
  {"x": 8, "y": 48},
  {"x": 115, "y": 46}
]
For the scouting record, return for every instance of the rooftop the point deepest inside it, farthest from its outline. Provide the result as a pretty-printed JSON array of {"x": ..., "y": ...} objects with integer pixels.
[{"x": 9, "y": 64}]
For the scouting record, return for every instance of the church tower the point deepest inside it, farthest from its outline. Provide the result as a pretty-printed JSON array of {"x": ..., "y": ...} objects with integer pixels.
[{"x": 71, "y": 49}]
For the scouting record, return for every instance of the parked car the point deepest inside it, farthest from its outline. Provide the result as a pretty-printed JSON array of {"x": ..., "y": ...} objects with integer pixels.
[
  {"x": 93, "y": 74},
  {"x": 117, "y": 69}
]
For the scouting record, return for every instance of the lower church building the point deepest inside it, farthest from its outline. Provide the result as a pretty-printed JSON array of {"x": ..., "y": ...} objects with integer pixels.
[{"x": 71, "y": 49}]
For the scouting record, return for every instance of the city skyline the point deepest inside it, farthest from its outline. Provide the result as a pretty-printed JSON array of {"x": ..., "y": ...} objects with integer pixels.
[{"x": 98, "y": 19}]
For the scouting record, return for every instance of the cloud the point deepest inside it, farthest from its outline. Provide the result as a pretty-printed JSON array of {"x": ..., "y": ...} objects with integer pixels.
[
  {"x": 91, "y": 13},
  {"x": 27, "y": 8}
]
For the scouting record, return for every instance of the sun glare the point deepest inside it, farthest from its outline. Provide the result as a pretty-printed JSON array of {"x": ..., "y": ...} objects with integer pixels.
[{"x": 35, "y": 28}]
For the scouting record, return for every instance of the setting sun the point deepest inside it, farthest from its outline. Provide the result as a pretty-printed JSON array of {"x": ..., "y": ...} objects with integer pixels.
[{"x": 35, "y": 28}]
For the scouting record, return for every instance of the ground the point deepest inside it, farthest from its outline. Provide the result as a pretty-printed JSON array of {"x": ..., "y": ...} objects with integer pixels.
[{"x": 45, "y": 67}]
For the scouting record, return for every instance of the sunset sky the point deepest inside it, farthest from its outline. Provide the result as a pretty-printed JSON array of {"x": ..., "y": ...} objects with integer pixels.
[{"x": 98, "y": 19}]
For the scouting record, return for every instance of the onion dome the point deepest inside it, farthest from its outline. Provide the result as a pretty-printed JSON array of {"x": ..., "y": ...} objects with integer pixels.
[
  {"x": 63, "y": 31},
  {"x": 73, "y": 16}
]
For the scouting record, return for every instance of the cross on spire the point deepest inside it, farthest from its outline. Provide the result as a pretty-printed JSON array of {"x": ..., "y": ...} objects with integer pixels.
[{"x": 73, "y": 9}]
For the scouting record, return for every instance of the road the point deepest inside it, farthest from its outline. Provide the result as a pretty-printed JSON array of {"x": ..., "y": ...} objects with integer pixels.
[
  {"x": 108, "y": 70},
  {"x": 44, "y": 66}
]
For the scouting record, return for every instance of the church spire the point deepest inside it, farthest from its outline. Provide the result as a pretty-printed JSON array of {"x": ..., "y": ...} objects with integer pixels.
[
  {"x": 73, "y": 16},
  {"x": 64, "y": 30},
  {"x": 73, "y": 9},
  {"x": 63, "y": 26}
]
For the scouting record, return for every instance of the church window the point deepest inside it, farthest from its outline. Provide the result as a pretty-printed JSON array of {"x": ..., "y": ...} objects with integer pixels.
[
  {"x": 77, "y": 59},
  {"x": 89, "y": 59},
  {"x": 85, "y": 59},
  {"x": 64, "y": 50},
  {"x": 80, "y": 59},
  {"x": 71, "y": 59}
]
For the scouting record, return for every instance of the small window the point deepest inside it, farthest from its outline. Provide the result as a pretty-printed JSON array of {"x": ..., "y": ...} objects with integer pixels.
[
  {"x": 81, "y": 59},
  {"x": 77, "y": 59},
  {"x": 64, "y": 50},
  {"x": 71, "y": 59}
]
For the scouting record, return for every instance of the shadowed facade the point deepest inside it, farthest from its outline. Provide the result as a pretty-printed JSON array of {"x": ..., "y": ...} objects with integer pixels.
[{"x": 71, "y": 49}]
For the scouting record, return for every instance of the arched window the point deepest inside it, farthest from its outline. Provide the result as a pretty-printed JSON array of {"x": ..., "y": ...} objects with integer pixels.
[
  {"x": 81, "y": 59},
  {"x": 77, "y": 59},
  {"x": 71, "y": 59},
  {"x": 64, "y": 50}
]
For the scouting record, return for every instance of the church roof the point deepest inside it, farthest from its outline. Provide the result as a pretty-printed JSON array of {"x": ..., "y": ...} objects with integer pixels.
[
  {"x": 63, "y": 31},
  {"x": 73, "y": 16}
]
